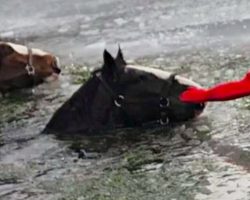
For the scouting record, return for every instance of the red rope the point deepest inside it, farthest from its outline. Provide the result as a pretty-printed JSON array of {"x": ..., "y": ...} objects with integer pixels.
[{"x": 221, "y": 92}]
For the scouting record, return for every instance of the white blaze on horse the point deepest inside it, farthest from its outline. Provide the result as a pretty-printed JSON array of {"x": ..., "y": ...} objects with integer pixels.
[
  {"x": 22, "y": 67},
  {"x": 119, "y": 95}
]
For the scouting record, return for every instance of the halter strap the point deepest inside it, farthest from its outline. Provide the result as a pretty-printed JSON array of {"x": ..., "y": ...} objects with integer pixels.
[
  {"x": 29, "y": 67},
  {"x": 119, "y": 100},
  {"x": 165, "y": 102}
]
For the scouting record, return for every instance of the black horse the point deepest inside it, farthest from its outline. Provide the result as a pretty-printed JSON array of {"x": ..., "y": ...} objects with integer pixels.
[{"x": 119, "y": 95}]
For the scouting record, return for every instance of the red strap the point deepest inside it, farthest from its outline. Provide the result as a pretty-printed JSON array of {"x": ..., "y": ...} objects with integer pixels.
[{"x": 221, "y": 92}]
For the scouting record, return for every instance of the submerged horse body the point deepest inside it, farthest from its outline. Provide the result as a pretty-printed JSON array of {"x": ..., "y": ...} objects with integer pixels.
[
  {"x": 22, "y": 67},
  {"x": 120, "y": 95}
]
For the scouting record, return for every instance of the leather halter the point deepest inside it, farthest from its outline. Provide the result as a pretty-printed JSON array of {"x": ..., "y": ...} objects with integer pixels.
[
  {"x": 29, "y": 67},
  {"x": 120, "y": 100}
]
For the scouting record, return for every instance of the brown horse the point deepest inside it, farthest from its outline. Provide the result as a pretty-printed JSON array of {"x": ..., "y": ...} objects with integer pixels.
[
  {"x": 22, "y": 67},
  {"x": 121, "y": 95}
]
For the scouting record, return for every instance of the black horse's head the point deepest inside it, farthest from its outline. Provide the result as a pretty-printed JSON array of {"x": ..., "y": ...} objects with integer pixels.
[{"x": 122, "y": 95}]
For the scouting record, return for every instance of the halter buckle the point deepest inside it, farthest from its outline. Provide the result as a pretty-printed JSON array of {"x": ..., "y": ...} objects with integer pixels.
[
  {"x": 164, "y": 102},
  {"x": 164, "y": 121},
  {"x": 118, "y": 101},
  {"x": 30, "y": 70}
]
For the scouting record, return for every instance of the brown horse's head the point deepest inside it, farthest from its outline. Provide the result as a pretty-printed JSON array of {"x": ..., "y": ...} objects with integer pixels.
[
  {"x": 123, "y": 95},
  {"x": 17, "y": 64}
]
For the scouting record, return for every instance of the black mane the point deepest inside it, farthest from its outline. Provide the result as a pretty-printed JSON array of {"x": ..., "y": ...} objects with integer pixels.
[{"x": 74, "y": 115}]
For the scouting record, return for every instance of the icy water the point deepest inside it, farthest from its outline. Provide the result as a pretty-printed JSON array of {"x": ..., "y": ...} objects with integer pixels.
[{"x": 207, "y": 158}]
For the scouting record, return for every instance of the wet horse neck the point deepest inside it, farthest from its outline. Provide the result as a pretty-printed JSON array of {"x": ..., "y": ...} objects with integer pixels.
[{"x": 78, "y": 114}]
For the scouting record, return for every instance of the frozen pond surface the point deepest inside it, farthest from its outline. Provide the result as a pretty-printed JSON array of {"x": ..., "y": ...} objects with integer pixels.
[
  {"x": 205, "y": 40},
  {"x": 79, "y": 30}
]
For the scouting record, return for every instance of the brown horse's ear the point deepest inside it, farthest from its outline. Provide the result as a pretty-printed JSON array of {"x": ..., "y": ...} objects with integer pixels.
[
  {"x": 119, "y": 58},
  {"x": 110, "y": 68},
  {"x": 5, "y": 50}
]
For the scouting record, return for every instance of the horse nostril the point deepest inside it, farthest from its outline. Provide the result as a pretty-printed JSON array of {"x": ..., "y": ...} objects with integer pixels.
[
  {"x": 200, "y": 106},
  {"x": 57, "y": 70},
  {"x": 199, "y": 109}
]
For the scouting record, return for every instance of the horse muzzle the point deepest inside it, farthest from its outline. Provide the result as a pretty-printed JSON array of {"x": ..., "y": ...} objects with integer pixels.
[{"x": 199, "y": 108}]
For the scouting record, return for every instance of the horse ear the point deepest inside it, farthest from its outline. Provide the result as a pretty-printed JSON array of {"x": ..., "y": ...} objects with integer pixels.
[
  {"x": 110, "y": 68},
  {"x": 109, "y": 61},
  {"x": 5, "y": 50},
  {"x": 119, "y": 58}
]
